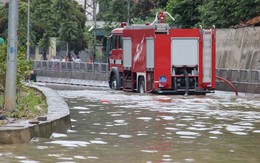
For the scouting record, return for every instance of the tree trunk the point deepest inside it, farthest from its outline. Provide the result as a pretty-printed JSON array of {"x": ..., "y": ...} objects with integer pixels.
[
  {"x": 44, "y": 55},
  {"x": 69, "y": 52}
]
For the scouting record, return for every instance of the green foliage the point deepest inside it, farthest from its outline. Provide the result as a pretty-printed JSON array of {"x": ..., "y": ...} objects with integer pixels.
[
  {"x": 160, "y": 4},
  {"x": 117, "y": 10},
  {"x": 65, "y": 19},
  {"x": 23, "y": 9},
  {"x": 3, "y": 20},
  {"x": 3, "y": 50},
  {"x": 227, "y": 13},
  {"x": 23, "y": 66},
  {"x": 143, "y": 9},
  {"x": 49, "y": 18},
  {"x": 188, "y": 13},
  {"x": 42, "y": 22},
  {"x": 88, "y": 35},
  {"x": 222, "y": 13},
  {"x": 71, "y": 22},
  {"x": 30, "y": 104},
  {"x": 184, "y": 11}
]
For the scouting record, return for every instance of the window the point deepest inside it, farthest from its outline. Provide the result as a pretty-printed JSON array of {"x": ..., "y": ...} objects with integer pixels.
[
  {"x": 120, "y": 42},
  {"x": 114, "y": 42}
]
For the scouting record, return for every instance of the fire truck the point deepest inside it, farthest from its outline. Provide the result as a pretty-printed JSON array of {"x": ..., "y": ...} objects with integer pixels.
[{"x": 161, "y": 59}]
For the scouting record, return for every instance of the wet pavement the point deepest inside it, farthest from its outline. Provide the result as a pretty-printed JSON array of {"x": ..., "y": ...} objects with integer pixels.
[{"x": 115, "y": 126}]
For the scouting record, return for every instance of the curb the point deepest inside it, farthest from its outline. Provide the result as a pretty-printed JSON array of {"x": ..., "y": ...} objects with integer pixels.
[
  {"x": 58, "y": 120},
  {"x": 80, "y": 82}
]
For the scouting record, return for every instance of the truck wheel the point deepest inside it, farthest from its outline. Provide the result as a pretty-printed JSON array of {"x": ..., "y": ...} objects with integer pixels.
[
  {"x": 141, "y": 85},
  {"x": 114, "y": 80}
]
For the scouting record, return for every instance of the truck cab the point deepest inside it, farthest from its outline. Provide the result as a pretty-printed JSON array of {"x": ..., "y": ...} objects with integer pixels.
[{"x": 113, "y": 48}]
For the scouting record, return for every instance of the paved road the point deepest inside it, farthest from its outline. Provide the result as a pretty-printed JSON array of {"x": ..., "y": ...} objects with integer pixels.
[{"x": 114, "y": 126}]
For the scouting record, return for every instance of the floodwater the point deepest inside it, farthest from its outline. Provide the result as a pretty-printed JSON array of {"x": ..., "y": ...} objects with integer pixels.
[{"x": 115, "y": 126}]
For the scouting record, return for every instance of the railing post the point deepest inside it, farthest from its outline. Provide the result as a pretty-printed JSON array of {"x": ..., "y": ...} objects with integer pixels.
[
  {"x": 85, "y": 67},
  {"x": 34, "y": 65},
  {"x": 258, "y": 76}
]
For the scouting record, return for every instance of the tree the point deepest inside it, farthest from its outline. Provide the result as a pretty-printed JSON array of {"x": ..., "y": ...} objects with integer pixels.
[
  {"x": 65, "y": 19},
  {"x": 143, "y": 9},
  {"x": 49, "y": 18},
  {"x": 185, "y": 12},
  {"x": 42, "y": 24},
  {"x": 103, "y": 10},
  {"x": 68, "y": 33},
  {"x": 117, "y": 10},
  {"x": 81, "y": 41},
  {"x": 161, "y": 4},
  {"x": 247, "y": 9},
  {"x": 72, "y": 23},
  {"x": 224, "y": 13},
  {"x": 23, "y": 17},
  {"x": 4, "y": 20},
  {"x": 23, "y": 66}
]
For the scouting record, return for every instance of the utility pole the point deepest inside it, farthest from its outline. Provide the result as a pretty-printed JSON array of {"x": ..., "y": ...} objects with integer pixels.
[
  {"x": 10, "y": 83},
  {"x": 28, "y": 32},
  {"x": 95, "y": 27},
  {"x": 128, "y": 12},
  {"x": 85, "y": 6}
]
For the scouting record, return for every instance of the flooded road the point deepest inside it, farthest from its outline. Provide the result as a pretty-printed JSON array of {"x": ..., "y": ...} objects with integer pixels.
[{"x": 114, "y": 126}]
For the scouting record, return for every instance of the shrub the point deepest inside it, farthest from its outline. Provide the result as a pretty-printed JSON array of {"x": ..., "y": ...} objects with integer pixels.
[
  {"x": 29, "y": 102},
  {"x": 23, "y": 66}
]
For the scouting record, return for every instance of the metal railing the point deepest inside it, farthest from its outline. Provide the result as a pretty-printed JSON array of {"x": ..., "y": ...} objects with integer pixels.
[
  {"x": 233, "y": 75},
  {"x": 70, "y": 66},
  {"x": 240, "y": 75}
]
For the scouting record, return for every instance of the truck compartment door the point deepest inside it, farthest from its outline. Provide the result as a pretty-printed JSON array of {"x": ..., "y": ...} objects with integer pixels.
[
  {"x": 150, "y": 53},
  {"x": 127, "y": 52},
  {"x": 207, "y": 56},
  {"x": 184, "y": 52}
]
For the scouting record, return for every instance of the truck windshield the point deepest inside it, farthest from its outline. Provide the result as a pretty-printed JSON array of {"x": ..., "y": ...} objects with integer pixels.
[
  {"x": 114, "y": 42},
  {"x": 120, "y": 42}
]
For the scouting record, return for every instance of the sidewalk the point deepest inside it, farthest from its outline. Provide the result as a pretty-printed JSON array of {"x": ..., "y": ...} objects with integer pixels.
[{"x": 58, "y": 120}]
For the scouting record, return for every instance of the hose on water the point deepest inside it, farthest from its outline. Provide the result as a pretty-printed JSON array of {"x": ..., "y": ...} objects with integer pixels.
[
  {"x": 186, "y": 82},
  {"x": 229, "y": 83}
]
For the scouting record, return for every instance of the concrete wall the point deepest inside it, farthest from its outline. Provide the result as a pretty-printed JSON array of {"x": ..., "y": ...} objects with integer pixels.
[
  {"x": 238, "y": 57},
  {"x": 238, "y": 48},
  {"x": 244, "y": 80}
]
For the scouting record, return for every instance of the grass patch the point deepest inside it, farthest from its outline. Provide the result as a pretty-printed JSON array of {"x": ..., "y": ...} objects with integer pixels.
[{"x": 30, "y": 103}]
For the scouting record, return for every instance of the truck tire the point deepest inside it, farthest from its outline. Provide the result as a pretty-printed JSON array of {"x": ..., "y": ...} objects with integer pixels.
[
  {"x": 114, "y": 79},
  {"x": 141, "y": 85}
]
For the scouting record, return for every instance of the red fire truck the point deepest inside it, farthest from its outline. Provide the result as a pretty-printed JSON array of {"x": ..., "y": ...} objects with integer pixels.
[{"x": 159, "y": 59}]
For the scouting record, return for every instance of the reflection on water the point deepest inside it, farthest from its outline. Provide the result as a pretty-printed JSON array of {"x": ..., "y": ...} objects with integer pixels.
[{"x": 113, "y": 127}]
